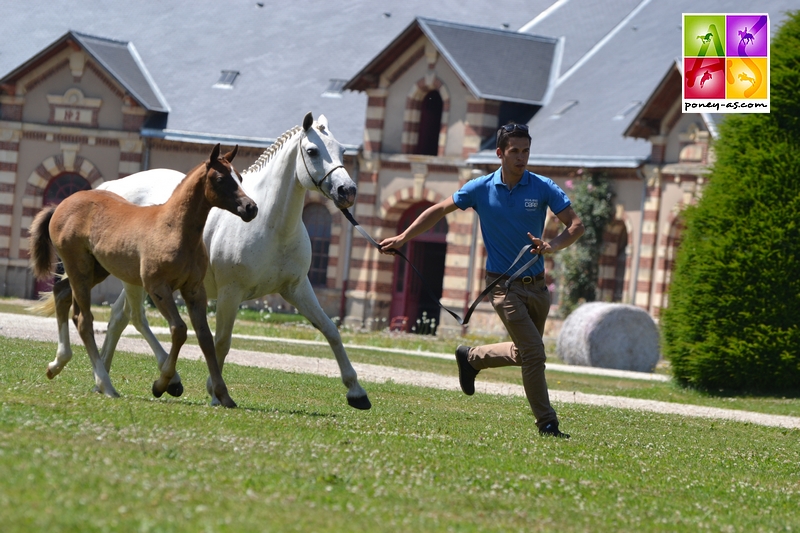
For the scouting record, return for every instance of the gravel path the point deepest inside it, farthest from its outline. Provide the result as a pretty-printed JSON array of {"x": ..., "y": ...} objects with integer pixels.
[{"x": 44, "y": 329}]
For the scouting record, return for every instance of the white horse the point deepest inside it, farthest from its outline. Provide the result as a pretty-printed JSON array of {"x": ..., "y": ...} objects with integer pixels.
[{"x": 270, "y": 255}]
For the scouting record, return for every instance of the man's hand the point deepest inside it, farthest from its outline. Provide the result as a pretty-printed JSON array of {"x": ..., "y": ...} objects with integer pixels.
[
  {"x": 539, "y": 246},
  {"x": 388, "y": 246}
]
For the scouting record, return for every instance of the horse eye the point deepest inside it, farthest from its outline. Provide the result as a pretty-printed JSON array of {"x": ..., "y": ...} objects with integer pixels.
[{"x": 313, "y": 152}]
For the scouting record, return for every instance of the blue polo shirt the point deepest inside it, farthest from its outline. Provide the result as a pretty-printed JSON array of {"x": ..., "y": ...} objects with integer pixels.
[{"x": 506, "y": 216}]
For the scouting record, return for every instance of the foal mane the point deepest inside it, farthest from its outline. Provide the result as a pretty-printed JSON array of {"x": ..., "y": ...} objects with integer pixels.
[{"x": 264, "y": 158}]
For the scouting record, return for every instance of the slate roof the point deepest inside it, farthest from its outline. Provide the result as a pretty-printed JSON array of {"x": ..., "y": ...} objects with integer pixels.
[
  {"x": 123, "y": 62},
  {"x": 287, "y": 53},
  {"x": 615, "y": 53},
  {"x": 494, "y": 64}
]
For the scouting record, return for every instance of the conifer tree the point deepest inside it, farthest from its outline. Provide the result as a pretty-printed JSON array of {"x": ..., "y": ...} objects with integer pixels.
[{"x": 733, "y": 316}]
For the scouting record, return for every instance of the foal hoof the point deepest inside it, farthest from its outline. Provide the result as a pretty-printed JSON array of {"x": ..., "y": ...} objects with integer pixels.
[
  {"x": 156, "y": 392},
  {"x": 175, "y": 389},
  {"x": 51, "y": 374},
  {"x": 362, "y": 402}
]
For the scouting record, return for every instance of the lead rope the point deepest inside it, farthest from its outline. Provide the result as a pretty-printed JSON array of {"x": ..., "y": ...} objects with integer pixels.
[{"x": 461, "y": 321}]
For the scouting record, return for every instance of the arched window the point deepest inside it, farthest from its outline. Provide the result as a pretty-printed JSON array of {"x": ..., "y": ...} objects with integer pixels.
[
  {"x": 318, "y": 224},
  {"x": 430, "y": 122},
  {"x": 62, "y": 186}
]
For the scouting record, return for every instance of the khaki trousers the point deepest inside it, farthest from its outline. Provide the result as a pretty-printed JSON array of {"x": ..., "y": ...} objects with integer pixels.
[{"x": 523, "y": 308}]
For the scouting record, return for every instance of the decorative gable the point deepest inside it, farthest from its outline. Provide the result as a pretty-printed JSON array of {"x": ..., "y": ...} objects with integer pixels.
[
  {"x": 75, "y": 76},
  {"x": 73, "y": 108},
  {"x": 442, "y": 89}
]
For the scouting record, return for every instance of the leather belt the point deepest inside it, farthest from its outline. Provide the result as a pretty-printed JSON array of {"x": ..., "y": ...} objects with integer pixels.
[{"x": 525, "y": 280}]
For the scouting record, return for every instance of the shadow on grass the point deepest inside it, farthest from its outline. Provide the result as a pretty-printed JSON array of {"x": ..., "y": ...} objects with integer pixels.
[
  {"x": 206, "y": 403},
  {"x": 780, "y": 394}
]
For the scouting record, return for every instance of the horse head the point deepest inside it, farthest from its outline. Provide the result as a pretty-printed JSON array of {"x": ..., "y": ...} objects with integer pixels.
[
  {"x": 223, "y": 187},
  {"x": 322, "y": 166}
]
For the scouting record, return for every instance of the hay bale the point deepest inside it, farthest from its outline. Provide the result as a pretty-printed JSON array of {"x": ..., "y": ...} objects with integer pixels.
[{"x": 606, "y": 335}]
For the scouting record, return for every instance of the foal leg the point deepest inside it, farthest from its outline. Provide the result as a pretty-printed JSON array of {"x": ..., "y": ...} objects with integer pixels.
[
  {"x": 62, "y": 294},
  {"x": 196, "y": 303},
  {"x": 162, "y": 297},
  {"x": 84, "y": 321},
  {"x": 303, "y": 298}
]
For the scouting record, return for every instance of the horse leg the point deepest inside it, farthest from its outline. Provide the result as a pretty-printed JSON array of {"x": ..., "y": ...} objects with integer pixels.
[
  {"x": 306, "y": 302},
  {"x": 134, "y": 306},
  {"x": 196, "y": 303},
  {"x": 228, "y": 301},
  {"x": 116, "y": 324},
  {"x": 62, "y": 293},
  {"x": 84, "y": 321},
  {"x": 162, "y": 298}
]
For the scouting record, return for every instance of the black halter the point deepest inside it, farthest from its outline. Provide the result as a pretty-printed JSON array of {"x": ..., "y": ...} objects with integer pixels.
[{"x": 310, "y": 175}]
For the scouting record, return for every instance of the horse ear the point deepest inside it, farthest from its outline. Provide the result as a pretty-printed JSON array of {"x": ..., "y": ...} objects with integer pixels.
[
  {"x": 322, "y": 121},
  {"x": 230, "y": 155},
  {"x": 308, "y": 120},
  {"x": 214, "y": 154}
]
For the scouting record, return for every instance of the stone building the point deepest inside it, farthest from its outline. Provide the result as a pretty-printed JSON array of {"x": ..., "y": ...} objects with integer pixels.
[{"x": 416, "y": 93}]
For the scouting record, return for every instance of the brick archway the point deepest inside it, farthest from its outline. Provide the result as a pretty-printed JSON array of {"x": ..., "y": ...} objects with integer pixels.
[{"x": 49, "y": 169}]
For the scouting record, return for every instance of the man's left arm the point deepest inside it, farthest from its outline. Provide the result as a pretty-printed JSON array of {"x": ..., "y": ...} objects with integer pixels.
[{"x": 574, "y": 229}]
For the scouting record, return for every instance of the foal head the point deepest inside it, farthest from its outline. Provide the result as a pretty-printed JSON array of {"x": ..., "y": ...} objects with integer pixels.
[
  {"x": 321, "y": 166},
  {"x": 222, "y": 187}
]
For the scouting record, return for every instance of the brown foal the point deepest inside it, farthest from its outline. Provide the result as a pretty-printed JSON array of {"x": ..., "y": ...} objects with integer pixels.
[{"x": 97, "y": 233}]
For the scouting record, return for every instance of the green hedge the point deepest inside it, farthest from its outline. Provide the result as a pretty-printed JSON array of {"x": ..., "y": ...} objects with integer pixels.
[{"x": 733, "y": 321}]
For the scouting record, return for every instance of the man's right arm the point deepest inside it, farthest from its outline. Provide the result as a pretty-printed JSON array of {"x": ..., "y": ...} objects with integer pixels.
[{"x": 423, "y": 223}]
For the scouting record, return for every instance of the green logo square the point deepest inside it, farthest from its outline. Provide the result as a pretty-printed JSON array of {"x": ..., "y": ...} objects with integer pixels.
[{"x": 704, "y": 35}]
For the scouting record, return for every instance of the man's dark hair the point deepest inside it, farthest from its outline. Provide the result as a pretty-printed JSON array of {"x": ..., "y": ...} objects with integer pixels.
[{"x": 511, "y": 129}]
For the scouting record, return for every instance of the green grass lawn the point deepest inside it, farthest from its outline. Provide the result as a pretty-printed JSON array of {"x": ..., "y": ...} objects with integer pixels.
[
  {"x": 294, "y": 457},
  {"x": 291, "y": 326}
]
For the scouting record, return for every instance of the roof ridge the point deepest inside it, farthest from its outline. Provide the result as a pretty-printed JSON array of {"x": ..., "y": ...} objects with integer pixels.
[
  {"x": 98, "y": 37},
  {"x": 485, "y": 29}
]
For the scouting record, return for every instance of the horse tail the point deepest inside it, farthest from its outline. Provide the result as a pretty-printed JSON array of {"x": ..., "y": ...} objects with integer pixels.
[
  {"x": 40, "y": 246},
  {"x": 46, "y": 306}
]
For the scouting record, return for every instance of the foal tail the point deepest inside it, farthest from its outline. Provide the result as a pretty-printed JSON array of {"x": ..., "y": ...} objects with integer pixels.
[
  {"x": 40, "y": 246},
  {"x": 46, "y": 306}
]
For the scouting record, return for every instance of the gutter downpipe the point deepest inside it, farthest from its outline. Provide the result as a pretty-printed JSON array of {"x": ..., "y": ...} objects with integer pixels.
[
  {"x": 641, "y": 232},
  {"x": 471, "y": 263},
  {"x": 146, "y": 155},
  {"x": 470, "y": 269},
  {"x": 348, "y": 250}
]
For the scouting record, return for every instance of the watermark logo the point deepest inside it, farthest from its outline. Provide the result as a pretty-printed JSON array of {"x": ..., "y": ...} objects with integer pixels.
[{"x": 725, "y": 63}]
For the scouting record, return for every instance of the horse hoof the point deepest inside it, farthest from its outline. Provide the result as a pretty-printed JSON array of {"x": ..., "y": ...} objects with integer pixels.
[
  {"x": 228, "y": 402},
  {"x": 362, "y": 402},
  {"x": 50, "y": 373},
  {"x": 156, "y": 392},
  {"x": 175, "y": 389}
]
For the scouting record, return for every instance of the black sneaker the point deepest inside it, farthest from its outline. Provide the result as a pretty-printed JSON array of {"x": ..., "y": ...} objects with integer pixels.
[
  {"x": 551, "y": 428},
  {"x": 466, "y": 372}
]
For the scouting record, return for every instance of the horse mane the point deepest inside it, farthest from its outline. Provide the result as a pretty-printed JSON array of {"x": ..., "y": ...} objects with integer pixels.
[{"x": 264, "y": 158}]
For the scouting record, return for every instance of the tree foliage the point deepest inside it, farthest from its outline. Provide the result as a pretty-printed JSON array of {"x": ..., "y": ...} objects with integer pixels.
[
  {"x": 733, "y": 321},
  {"x": 578, "y": 265}
]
